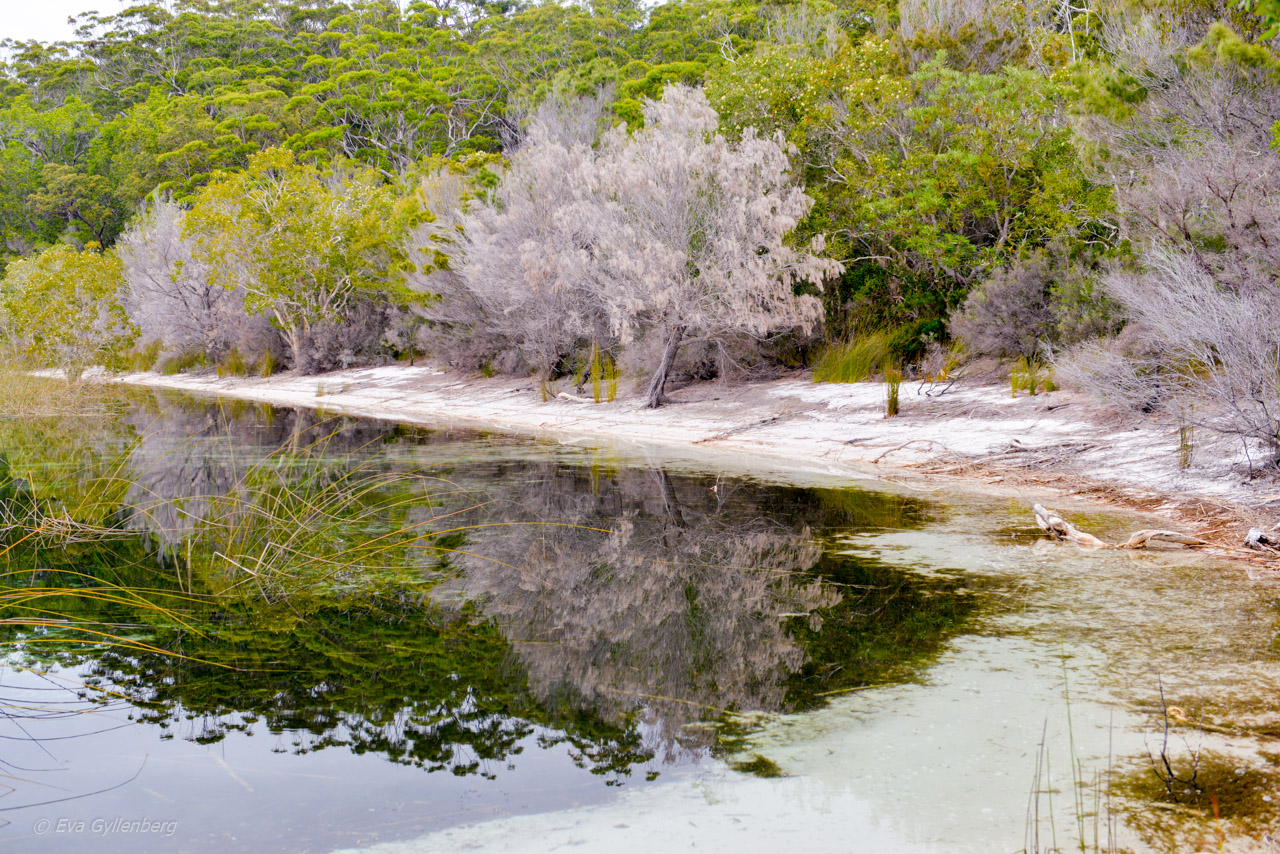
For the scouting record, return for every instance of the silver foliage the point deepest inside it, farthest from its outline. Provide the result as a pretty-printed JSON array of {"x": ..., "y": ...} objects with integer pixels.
[
  {"x": 170, "y": 296},
  {"x": 1199, "y": 189},
  {"x": 670, "y": 231}
]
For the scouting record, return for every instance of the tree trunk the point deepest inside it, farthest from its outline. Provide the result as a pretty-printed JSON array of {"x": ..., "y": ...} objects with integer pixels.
[
  {"x": 292, "y": 338},
  {"x": 656, "y": 398}
]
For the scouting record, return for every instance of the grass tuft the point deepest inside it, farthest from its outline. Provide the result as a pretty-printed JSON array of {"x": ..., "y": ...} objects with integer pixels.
[
  {"x": 852, "y": 361},
  {"x": 181, "y": 362},
  {"x": 233, "y": 365}
]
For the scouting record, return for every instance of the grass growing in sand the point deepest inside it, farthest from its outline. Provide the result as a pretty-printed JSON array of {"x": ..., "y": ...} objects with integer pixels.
[{"x": 852, "y": 361}]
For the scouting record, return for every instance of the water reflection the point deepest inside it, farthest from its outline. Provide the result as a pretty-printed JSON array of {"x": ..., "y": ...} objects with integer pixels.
[
  {"x": 671, "y": 596},
  {"x": 447, "y": 601}
]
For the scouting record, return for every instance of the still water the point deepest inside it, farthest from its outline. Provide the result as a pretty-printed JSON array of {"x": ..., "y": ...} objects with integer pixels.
[{"x": 234, "y": 628}]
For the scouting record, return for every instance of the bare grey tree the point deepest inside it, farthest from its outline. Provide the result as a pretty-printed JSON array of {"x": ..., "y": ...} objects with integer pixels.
[
  {"x": 170, "y": 296},
  {"x": 1199, "y": 190},
  {"x": 699, "y": 248},
  {"x": 670, "y": 233},
  {"x": 519, "y": 272}
]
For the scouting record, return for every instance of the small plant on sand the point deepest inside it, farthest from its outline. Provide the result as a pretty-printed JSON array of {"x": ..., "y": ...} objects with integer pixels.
[
  {"x": 1186, "y": 445},
  {"x": 267, "y": 364},
  {"x": 610, "y": 378},
  {"x": 180, "y": 362},
  {"x": 602, "y": 371},
  {"x": 233, "y": 364},
  {"x": 1030, "y": 375},
  {"x": 892, "y": 382}
]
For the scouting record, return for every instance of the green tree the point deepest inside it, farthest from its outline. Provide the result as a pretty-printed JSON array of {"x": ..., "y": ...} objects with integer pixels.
[
  {"x": 306, "y": 247},
  {"x": 61, "y": 308},
  {"x": 926, "y": 180}
]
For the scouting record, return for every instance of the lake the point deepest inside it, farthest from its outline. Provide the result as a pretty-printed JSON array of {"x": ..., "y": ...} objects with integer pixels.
[{"x": 236, "y": 628}]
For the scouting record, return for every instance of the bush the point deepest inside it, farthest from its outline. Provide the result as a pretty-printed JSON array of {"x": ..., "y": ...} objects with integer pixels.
[
  {"x": 62, "y": 309},
  {"x": 335, "y": 344},
  {"x": 317, "y": 253},
  {"x": 1042, "y": 300},
  {"x": 169, "y": 292},
  {"x": 1196, "y": 178},
  {"x": 1209, "y": 355},
  {"x": 1011, "y": 313}
]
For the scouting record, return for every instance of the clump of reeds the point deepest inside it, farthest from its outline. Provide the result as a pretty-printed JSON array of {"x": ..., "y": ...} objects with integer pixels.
[
  {"x": 181, "y": 362},
  {"x": 233, "y": 364},
  {"x": 604, "y": 374},
  {"x": 267, "y": 364},
  {"x": 1030, "y": 375},
  {"x": 892, "y": 382},
  {"x": 852, "y": 361}
]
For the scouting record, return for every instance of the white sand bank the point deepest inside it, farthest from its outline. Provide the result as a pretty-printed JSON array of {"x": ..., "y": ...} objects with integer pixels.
[{"x": 1059, "y": 439}]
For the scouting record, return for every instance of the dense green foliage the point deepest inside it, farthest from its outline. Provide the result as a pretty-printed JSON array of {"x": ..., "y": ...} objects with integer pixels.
[
  {"x": 936, "y": 139},
  {"x": 63, "y": 305}
]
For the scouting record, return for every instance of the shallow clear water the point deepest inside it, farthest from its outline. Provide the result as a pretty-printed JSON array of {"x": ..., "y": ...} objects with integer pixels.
[{"x": 235, "y": 628}]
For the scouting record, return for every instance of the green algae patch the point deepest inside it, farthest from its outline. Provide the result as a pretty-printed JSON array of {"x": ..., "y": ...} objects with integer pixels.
[
  {"x": 1200, "y": 800},
  {"x": 760, "y": 766}
]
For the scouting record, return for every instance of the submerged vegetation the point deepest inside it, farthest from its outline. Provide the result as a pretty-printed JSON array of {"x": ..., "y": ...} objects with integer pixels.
[{"x": 435, "y": 599}]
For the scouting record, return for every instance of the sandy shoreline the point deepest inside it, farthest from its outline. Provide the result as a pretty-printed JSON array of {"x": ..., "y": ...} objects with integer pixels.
[{"x": 1056, "y": 443}]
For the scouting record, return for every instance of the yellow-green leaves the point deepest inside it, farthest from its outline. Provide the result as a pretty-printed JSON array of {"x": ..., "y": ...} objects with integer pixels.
[
  {"x": 304, "y": 245},
  {"x": 61, "y": 308}
]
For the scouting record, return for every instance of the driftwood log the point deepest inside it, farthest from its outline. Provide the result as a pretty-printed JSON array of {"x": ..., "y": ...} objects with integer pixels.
[{"x": 1061, "y": 529}]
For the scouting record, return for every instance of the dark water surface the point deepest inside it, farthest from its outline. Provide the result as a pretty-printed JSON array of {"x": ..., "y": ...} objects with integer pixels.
[{"x": 235, "y": 628}]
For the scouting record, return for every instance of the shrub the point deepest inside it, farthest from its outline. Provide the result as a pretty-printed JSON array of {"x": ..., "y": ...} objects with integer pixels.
[
  {"x": 1038, "y": 304},
  {"x": 672, "y": 234},
  {"x": 309, "y": 250},
  {"x": 1011, "y": 313},
  {"x": 353, "y": 339},
  {"x": 1196, "y": 177},
  {"x": 232, "y": 364},
  {"x": 1213, "y": 352},
  {"x": 62, "y": 309},
  {"x": 170, "y": 295}
]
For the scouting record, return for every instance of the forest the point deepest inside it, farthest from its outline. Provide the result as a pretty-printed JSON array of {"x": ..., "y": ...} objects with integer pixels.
[{"x": 697, "y": 189}]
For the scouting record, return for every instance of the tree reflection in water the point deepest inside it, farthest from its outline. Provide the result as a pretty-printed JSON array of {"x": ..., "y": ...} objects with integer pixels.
[
  {"x": 663, "y": 596},
  {"x": 438, "y": 598}
]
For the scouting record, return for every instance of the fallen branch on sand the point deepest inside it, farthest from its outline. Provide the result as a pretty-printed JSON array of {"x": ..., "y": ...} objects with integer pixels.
[{"x": 1061, "y": 529}]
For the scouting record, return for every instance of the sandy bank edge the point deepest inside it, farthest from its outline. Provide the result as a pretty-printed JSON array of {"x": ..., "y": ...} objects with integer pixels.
[{"x": 1058, "y": 445}]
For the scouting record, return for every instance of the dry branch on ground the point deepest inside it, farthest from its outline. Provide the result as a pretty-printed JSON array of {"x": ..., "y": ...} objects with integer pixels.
[{"x": 1061, "y": 529}]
